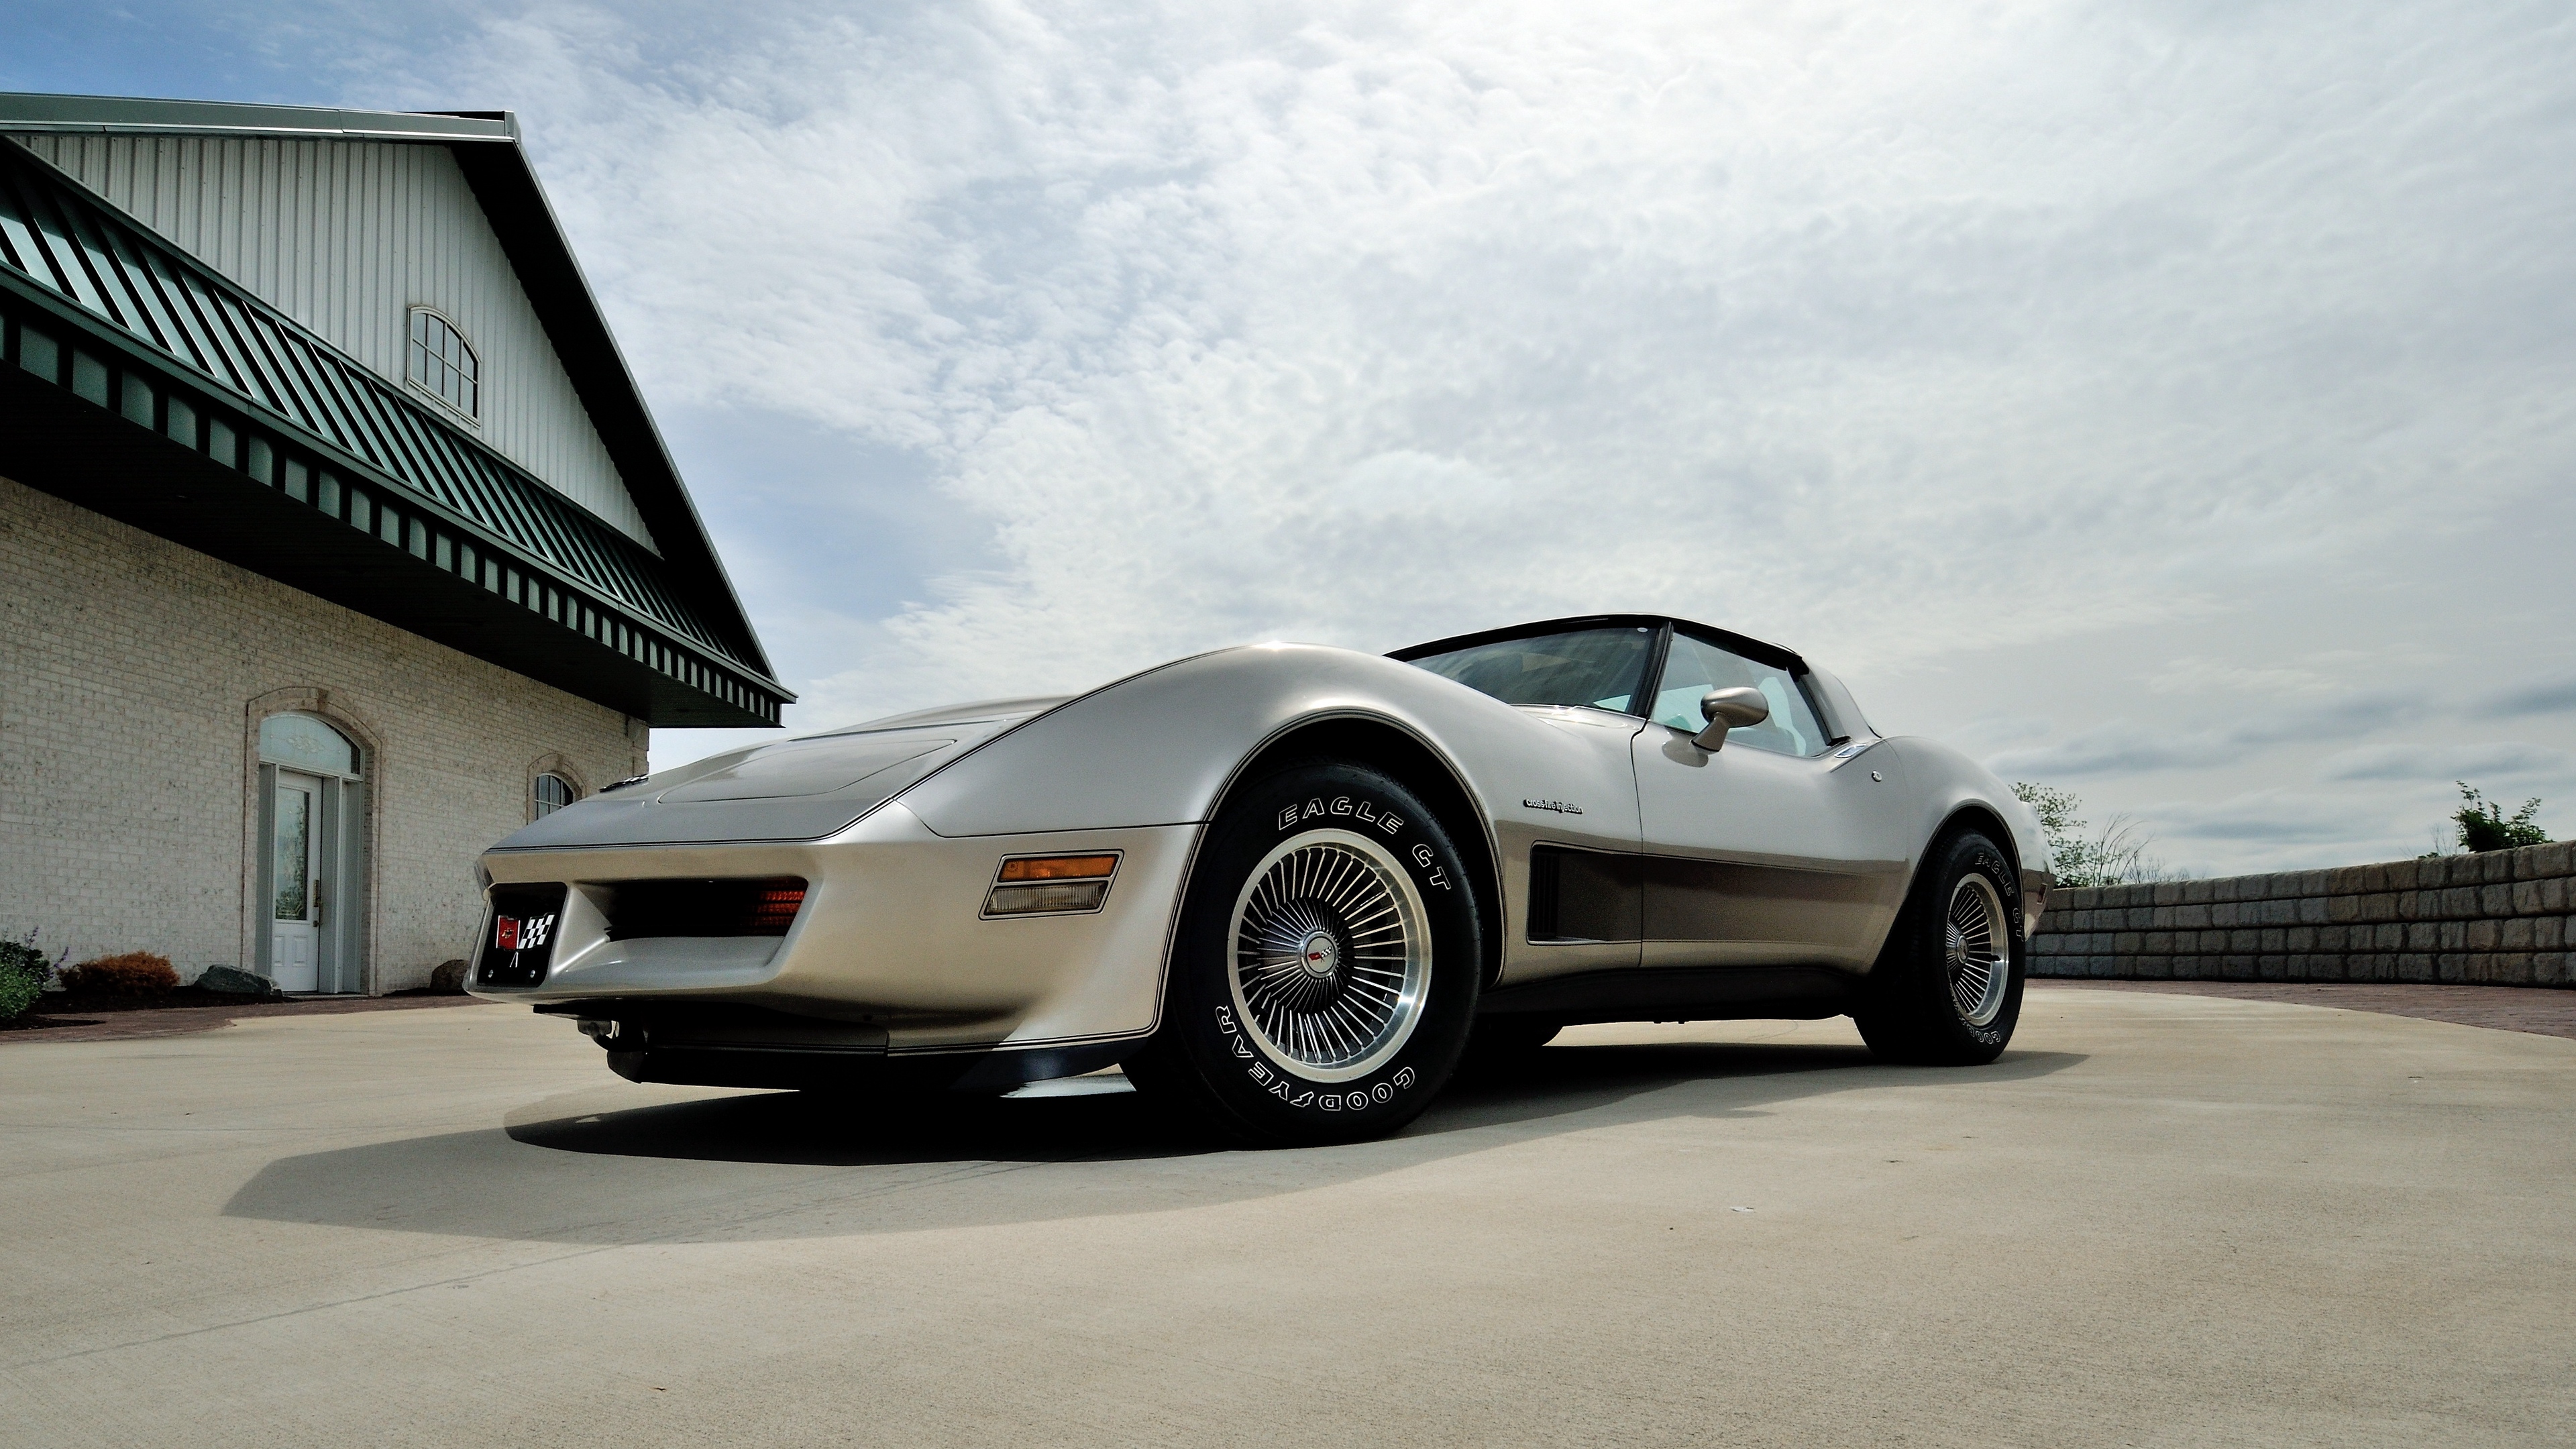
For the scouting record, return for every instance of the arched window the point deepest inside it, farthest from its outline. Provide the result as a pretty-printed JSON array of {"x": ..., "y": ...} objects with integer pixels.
[
  {"x": 550, "y": 794},
  {"x": 301, "y": 742},
  {"x": 443, "y": 364}
]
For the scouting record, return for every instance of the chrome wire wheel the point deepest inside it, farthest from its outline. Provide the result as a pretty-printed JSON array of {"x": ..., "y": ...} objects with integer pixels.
[
  {"x": 1977, "y": 949},
  {"x": 1331, "y": 955}
]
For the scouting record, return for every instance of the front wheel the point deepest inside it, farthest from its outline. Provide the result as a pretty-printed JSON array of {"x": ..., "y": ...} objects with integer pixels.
[
  {"x": 1327, "y": 965},
  {"x": 1947, "y": 990}
]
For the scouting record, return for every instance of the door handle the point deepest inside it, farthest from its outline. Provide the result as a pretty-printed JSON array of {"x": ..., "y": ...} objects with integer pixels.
[{"x": 317, "y": 900}]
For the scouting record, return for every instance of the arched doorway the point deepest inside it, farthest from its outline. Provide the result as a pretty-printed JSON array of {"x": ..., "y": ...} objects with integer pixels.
[{"x": 312, "y": 860}]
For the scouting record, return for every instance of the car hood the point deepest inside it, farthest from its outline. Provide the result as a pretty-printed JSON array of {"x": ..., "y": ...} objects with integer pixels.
[{"x": 800, "y": 789}]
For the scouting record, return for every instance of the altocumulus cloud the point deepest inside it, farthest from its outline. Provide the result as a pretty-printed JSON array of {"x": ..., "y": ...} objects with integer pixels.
[
  {"x": 2123, "y": 746},
  {"x": 2275, "y": 815},
  {"x": 1888, "y": 331},
  {"x": 2501, "y": 760},
  {"x": 2549, "y": 696}
]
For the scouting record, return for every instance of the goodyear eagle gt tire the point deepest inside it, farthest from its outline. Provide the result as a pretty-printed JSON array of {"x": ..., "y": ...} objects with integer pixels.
[
  {"x": 1947, "y": 990},
  {"x": 1327, "y": 965}
]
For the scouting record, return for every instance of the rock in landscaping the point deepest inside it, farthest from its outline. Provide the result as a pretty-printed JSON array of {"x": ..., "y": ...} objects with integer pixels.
[
  {"x": 448, "y": 979},
  {"x": 233, "y": 981}
]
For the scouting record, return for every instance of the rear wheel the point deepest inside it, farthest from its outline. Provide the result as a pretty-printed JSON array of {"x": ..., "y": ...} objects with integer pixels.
[
  {"x": 1326, "y": 968},
  {"x": 1947, "y": 990}
]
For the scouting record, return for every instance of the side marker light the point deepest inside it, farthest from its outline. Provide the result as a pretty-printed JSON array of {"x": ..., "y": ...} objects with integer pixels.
[
  {"x": 1050, "y": 885},
  {"x": 1059, "y": 867}
]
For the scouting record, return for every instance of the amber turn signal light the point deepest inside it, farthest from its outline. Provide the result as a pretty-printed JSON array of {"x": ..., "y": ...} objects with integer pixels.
[
  {"x": 1050, "y": 885},
  {"x": 1059, "y": 867}
]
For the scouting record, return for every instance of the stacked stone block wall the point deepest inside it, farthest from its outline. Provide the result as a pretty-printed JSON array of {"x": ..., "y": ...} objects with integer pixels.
[
  {"x": 2498, "y": 917},
  {"x": 133, "y": 672}
]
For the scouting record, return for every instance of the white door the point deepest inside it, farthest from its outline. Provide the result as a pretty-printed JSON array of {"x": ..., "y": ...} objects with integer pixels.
[{"x": 294, "y": 857}]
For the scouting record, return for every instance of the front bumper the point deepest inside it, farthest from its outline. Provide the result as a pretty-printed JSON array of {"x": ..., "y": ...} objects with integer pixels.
[{"x": 891, "y": 936}]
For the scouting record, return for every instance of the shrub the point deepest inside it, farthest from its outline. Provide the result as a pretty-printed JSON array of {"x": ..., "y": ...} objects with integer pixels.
[
  {"x": 2484, "y": 825},
  {"x": 18, "y": 991},
  {"x": 23, "y": 974},
  {"x": 136, "y": 973},
  {"x": 2114, "y": 855}
]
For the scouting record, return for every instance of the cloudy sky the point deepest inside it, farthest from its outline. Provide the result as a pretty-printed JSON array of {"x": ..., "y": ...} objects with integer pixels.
[{"x": 2173, "y": 402}]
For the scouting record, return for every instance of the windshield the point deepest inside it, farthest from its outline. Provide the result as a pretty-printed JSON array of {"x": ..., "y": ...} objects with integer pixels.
[{"x": 1599, "y": 667}]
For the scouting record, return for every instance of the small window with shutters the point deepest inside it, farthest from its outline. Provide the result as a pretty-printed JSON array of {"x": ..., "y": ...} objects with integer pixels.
[{"x": 443, "y": 364}]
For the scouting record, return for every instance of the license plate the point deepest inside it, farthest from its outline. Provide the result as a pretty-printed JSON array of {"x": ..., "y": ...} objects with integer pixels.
[{"x": 519, "y": 935}]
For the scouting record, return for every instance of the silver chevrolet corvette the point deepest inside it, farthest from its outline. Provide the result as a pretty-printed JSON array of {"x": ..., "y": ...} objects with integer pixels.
[{"x": 1286, "y": 887}]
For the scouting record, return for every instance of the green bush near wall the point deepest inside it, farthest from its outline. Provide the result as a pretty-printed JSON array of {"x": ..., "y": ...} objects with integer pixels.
[
  {"x": 2484, "y": 825},
  {"x": 23, "y": 974}
]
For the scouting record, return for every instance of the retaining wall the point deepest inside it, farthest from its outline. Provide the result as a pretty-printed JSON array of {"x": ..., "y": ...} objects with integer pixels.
[{"x": 2500, "y": 917}]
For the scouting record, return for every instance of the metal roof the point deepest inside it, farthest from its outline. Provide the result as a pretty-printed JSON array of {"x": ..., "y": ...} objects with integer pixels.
[
  {"x": 35, "y": 111},
  {"x": 115, "y": 269}
]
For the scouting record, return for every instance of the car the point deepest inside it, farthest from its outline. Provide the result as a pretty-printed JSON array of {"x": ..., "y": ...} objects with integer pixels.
[{"x": 1285, "y": 887}]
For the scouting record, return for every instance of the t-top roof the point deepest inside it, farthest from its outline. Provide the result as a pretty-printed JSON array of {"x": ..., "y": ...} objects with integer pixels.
[{"x": 1750, "y": 648}]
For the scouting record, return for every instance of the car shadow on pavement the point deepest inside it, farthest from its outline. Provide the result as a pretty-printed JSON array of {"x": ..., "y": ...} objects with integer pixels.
[{"x": 751, "y": 1166}]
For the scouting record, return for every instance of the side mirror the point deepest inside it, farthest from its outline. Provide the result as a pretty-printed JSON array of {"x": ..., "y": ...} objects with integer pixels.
[{"x": 1729, "y": 709}]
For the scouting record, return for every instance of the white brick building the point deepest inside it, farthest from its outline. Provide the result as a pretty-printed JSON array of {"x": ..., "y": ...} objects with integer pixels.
[{"x": 335, "y": 540}]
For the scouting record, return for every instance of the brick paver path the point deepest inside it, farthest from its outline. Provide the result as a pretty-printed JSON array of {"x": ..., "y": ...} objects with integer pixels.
[{"x": 2541, "y": 1010}]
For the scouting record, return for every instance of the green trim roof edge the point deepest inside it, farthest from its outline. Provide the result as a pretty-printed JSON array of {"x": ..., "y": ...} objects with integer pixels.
[{"x": 487, "y": 148}]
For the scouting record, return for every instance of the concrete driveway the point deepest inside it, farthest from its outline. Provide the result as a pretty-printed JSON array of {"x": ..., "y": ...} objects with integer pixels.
[{"x": 2159, "y": 1220}]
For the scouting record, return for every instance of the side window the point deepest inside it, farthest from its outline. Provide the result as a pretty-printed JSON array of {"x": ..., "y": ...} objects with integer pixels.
[
  {"x": 1600, "y": 667},
  {"x": 1696, "y": 667}
]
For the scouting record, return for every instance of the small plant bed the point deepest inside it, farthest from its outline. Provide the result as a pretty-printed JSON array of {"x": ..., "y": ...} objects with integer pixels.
[
  {"x": 33, "y": 1021},
  {"x": 136, "y": 973},
  {"x": 75, "y": 1002},
  {"x": 63, "y": 1018}
]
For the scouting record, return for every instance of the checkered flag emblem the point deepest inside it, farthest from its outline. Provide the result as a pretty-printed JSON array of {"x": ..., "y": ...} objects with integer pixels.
[{"x": 509, "y": 933}]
